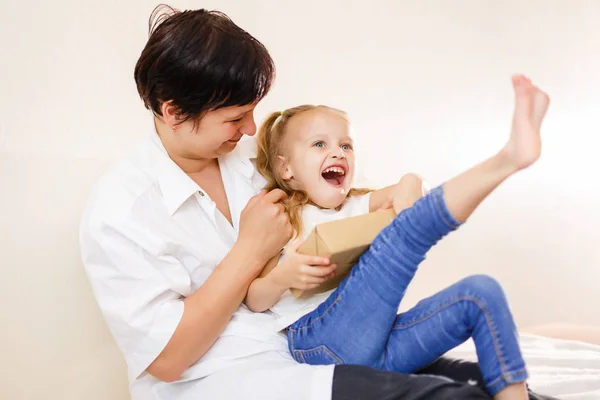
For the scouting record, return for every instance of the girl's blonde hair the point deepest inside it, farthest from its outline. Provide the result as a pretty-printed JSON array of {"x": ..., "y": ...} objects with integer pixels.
[{"x": 269, "y": 138}]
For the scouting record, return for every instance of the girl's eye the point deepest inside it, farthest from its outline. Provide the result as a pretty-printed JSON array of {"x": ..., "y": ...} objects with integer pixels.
[
  {"x": 346, "y": 147},
  {"x": 319, "y": 144},
  {"x": 236, "y": 120}
]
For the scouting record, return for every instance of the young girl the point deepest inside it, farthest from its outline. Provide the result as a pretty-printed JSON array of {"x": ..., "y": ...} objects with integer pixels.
[{"x": 307, "y": 152}]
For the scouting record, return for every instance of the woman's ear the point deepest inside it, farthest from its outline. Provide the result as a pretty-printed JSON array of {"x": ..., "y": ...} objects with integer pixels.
[
  {"x": 170, "y": 114},
  {"x": 284, "y": 169}
]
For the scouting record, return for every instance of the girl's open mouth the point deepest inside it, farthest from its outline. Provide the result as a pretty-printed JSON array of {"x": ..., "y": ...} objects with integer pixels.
[{"x": 334, "y": 175}]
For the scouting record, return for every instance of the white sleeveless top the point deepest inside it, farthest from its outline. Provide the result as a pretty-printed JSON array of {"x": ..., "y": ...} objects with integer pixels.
[{"x": 289, "y": 309}]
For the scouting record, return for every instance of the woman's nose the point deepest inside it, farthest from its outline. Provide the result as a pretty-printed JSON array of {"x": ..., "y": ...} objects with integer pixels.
[{"x": 249, "y": 127}]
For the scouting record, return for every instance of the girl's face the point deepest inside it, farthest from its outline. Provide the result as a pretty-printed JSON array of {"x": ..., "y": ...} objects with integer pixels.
[{"x": 318, "y": 156}]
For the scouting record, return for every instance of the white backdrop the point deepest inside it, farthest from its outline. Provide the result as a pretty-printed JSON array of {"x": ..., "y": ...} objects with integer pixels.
[{"x": 426, "y": 84}]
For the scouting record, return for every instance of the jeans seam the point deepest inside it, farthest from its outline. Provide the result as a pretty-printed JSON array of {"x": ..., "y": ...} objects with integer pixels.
[
  {"x": 290, "y": 335},
  {"x": 322, "y": 347},
  {"x": 318, "y": 318},
  {"x": 488, "y": 322},
  {"x": 384, "y": 357},
  {"x": 507, "y": 378},
  {"x": 332, "y": 354},
  {"x": 300, "y": 355},
  {"x": 449, "y": 224}
]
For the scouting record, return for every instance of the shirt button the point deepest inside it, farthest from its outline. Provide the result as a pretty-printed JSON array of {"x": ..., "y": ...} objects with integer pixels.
[{"x": 200, "y": 193}]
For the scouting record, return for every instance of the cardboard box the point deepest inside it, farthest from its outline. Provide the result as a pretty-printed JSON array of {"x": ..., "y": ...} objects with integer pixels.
[{"x": 343, "y": 241}]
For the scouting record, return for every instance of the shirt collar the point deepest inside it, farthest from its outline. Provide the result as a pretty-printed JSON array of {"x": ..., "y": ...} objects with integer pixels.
[
  {"x": 243, "y": 155},
  {"x": 176, "y": 186}
]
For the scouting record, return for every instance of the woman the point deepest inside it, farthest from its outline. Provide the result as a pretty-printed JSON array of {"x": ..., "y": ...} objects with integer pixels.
[{"x": 173, "y": 236}]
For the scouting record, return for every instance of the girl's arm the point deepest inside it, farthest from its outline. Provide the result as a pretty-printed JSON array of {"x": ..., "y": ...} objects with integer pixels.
[
  {"x": 305, "y": 272},
  {"x": 263, "y": 293},
  {"x": 409, "y": 189},
  {"x": 296, "y": 271}
]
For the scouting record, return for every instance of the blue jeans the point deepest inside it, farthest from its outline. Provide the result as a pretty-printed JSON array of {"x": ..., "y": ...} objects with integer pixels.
[{"x": 359, "y": 323}]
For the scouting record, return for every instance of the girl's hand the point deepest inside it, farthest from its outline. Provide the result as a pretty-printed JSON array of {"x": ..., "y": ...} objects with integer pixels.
[
  {"x": 407, "y": 191},
  {"x": 299, "y": 271},
  {"x": 387, "y": 204}
]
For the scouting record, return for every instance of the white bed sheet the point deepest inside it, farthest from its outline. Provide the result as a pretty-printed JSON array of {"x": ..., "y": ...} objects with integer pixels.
[{"x": 565, "y": 369}]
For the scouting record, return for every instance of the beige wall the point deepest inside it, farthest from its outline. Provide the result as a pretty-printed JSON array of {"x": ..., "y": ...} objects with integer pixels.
[{"x": 427, "y": 86}]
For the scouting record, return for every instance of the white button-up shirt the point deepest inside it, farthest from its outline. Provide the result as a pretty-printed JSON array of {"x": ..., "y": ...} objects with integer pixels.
[{"x": 150, "y": 236}]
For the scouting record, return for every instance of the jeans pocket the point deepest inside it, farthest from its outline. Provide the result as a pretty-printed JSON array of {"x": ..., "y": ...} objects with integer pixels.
[{"x": 320, "y": 355}]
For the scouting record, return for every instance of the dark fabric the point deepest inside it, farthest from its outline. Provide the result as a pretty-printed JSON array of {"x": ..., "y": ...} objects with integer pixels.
[
  {"x": 356, "y": 382},
  {"x": 465, "y": 371},
  {"x": 445, "y": 379}
]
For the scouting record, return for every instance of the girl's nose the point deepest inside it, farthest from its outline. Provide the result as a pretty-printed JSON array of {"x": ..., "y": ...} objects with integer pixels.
[{"x": 339, "y": 154}]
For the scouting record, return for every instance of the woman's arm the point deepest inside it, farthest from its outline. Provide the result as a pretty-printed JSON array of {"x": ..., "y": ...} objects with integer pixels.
[
  {"x": 264, "y": 230},
  {"x": 207, "y": 312},
  {"x": 409, "y": 189}
]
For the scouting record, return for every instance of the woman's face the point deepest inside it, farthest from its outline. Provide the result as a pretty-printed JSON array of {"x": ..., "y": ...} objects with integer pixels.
[{"x": 215, "y": 134}]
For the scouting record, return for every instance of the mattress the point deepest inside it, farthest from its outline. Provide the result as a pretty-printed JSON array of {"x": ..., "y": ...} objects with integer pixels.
[{"x": 565, "y": 369}]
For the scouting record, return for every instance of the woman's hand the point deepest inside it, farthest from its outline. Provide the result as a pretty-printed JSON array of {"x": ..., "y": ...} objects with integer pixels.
[
  {"x": 264, "y": 225},
  {"x": 299, "y": 271}
]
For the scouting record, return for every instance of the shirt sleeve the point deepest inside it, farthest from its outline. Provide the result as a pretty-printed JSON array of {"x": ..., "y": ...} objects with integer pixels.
[{"x": 133, "y": 288}]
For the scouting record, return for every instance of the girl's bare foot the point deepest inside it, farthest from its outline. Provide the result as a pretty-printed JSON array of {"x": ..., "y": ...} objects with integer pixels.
[
  {"x": 524, "y": 145},
  {"x": 517, "y": 391}
]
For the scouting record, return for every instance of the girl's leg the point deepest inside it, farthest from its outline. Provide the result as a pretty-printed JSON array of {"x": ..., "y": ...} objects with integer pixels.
[
  {"x": 474, "y": 307},
  {"x": 361, "y": 312},
  {"x": 464, "y": 193},
  {"x": 353, "y": 325}
]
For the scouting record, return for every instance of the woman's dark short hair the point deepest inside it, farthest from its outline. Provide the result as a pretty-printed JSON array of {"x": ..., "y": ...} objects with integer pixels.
[{"x": 200, "y": 60}]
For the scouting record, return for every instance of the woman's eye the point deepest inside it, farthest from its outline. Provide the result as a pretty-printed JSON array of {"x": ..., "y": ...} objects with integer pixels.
[{"x": 319, "y": 144}]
